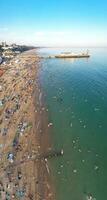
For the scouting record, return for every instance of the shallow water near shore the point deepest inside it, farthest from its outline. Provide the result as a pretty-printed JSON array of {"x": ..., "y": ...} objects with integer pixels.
[{"x": 76, "y": 96}]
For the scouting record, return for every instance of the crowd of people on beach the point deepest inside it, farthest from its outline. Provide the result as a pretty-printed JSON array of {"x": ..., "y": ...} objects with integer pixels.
[{"x": 17, "y": 139}]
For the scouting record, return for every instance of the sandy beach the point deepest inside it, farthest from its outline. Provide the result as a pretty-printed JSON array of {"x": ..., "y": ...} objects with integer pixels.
[{"x": 20, "y": 126}]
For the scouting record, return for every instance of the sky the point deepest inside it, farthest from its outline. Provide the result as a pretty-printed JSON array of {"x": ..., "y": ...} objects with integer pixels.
[{"x": 54, "y": 22}]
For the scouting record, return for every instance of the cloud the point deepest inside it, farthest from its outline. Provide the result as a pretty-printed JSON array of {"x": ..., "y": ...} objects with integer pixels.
[
  {"x": 75, "y": 37},
  {"x": 3, "y": 29}
]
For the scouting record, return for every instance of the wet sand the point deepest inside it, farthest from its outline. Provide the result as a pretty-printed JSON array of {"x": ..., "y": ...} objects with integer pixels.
[{"x": 22, "y": 131}]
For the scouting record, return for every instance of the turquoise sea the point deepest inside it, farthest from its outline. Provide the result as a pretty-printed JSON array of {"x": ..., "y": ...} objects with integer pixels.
[{"x": 76, "y": 97}]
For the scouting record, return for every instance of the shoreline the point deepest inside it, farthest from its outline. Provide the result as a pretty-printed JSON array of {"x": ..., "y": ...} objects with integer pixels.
[
  {"x": 45, "y": 185},
  {"x": 20, "y": 138}
]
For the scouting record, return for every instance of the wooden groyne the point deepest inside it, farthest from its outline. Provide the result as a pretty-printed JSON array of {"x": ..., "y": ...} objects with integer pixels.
[{"x": 47, "y": 155}]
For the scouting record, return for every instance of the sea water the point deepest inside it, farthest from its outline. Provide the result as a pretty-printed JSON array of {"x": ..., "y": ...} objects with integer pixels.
[{"x": 76, "y": 98}]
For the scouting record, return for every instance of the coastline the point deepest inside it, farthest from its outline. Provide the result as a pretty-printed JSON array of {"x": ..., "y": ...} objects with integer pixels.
[
  {"x": 45, "y": 183},
  {"x": 21, "y": 139}
]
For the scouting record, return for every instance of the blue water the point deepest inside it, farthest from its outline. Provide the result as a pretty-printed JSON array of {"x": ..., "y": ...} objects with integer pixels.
[{"x": 76, "y": 97}]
